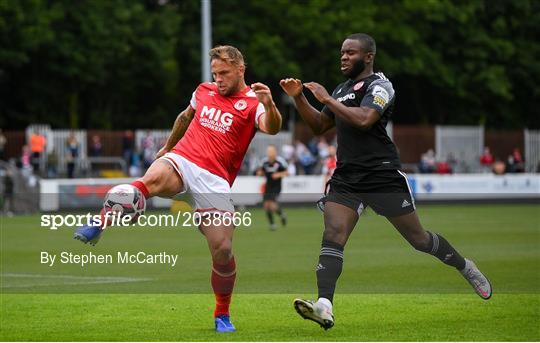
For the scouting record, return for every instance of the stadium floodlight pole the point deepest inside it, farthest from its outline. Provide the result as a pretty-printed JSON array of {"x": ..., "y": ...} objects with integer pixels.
[{"x": 206, "y": 41}]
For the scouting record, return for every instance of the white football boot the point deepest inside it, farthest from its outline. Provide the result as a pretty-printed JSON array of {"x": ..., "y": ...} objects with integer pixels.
[
  {"x": 478, "y": 281},
  {"x": 319, "y": 312}
]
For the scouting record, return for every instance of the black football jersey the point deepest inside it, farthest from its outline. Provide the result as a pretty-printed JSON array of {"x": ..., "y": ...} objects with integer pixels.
[
  {"x": 269, "y": 168},
  {"x": 369, "y": 149}
]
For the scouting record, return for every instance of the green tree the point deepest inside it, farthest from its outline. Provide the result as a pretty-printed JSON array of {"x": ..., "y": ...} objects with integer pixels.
[{"x": 118, "y": 64}]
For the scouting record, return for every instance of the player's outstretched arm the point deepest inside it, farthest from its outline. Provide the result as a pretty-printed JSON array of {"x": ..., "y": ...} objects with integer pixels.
[
  {"x": 319, "y": 122},
  {"x": 270, "y": 120},
  {"x": 179, "y": 128},
  {"x": 362, "y": 117}
]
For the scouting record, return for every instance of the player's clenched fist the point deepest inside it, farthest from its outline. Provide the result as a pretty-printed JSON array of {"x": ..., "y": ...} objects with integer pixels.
[
  {"x": 263, "y": 93},
  {"x": 293, "y": 87}
]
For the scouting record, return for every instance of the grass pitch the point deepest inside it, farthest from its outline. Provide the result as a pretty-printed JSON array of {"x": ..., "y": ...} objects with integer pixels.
[{"x": 387, "y": 292}]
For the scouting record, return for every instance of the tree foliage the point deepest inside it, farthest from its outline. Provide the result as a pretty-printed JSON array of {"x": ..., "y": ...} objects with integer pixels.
[{"x": 126, "y": 64}]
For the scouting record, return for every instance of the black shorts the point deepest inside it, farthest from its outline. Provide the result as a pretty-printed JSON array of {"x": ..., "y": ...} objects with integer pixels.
[
  {"x": 271, "y": 195},
  {"x": 387, "y": 192}
]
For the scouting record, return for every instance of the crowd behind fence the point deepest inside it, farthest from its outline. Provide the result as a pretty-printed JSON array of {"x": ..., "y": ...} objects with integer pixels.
[
  {"x": 42, "y": 152},
  {"x": 52, "y": 153}
]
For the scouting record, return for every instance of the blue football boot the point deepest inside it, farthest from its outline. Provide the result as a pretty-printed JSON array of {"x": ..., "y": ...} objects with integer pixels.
[
  {"x": 223, "y": 324},
  {"x": 88, "y": 233}
]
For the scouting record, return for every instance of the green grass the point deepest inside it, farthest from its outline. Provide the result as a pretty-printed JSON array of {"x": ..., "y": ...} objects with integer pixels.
[
  {"x": 186, "y": 317},
  {"x": 387, "y": 292}
]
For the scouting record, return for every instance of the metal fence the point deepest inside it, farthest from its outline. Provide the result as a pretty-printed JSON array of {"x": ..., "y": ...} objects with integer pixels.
[
  {"x": 462, "y": 143},
  {"x": 532, "y": 150}
]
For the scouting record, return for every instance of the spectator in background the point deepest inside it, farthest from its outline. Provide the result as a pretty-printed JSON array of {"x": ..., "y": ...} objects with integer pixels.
[
  {"x": 127, "y": 147},
  {"x": 323, "y": 149},
  {"x": 510, "y": 166},
  {"x": 313, "y": 147},
  {"x": 52, "y": 164},
  {"x": 304, "y": 157},
  {"x": 72, "y": 154},
  {"x": 448, "y": 166},
  {"x": 452, "y": 162},
  {"x": 288, "y": 153},
  {"x": 37, "y": 147},
  {"x": 443, "y": 167},
  {"x": 519, "y": 165},
  {"x": 3, "y": 142},
  {"x": 7, "y": 196},
  {"x": 96, "y": 148},
  {"x": 499, "y": 167},
  {"x": 427, "y": 162},
  {"x": 25, "y": 158},
  {"x": 330, "y": 164},
  {"x": 486, "y": 160},
  {"x": 148, "y": 149},
  {"x": 291, "y": 168},
  {"x": 134, "y": 169}
]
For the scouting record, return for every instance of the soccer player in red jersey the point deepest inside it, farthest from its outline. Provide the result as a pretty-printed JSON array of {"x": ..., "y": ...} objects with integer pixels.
[{"x": 203, "y": 154}]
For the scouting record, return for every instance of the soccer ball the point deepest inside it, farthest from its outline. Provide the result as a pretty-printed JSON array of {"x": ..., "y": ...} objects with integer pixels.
[{"x": 126, "y": 200}]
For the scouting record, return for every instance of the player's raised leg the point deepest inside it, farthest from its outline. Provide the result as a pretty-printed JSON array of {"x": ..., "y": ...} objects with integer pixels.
[
  {"x": 161, "y": 179},
  {"x": 410, "y": 228},
  {"x": 219, "y": 238},
  {"x": 339, "y": 221}
]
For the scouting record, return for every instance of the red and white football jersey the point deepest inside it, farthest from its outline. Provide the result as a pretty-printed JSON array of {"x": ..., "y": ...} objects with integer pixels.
[{"x": 219, "y": 134}]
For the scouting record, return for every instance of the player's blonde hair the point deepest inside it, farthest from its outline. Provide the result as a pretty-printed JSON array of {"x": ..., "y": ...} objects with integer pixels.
[{"x": 227, "y": 53}]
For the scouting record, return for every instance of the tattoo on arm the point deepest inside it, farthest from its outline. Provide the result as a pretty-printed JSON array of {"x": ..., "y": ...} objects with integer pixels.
[{"x": 180, "y": 126}]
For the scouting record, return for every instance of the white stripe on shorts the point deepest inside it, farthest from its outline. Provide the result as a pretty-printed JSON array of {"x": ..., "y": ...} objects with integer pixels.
[{"x": 408, "y": 186}]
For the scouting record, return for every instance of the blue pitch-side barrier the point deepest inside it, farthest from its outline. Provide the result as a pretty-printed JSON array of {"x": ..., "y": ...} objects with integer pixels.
[{"x": 65, "y": 194}]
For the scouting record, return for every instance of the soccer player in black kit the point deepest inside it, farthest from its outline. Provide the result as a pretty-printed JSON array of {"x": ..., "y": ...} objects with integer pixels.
[
  {"x": 273, "y": 168},
  {"x": 367, "y": 173}
]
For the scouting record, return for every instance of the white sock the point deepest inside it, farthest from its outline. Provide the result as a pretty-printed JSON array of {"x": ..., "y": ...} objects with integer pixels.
[{"x": 325, "y": 302}]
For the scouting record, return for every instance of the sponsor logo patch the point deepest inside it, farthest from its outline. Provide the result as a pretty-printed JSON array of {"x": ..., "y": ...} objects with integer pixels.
[
  {"x": 380, "y": 96},
  {"x": 216, "y": 120},
  {"x": 346, "y": 97}
]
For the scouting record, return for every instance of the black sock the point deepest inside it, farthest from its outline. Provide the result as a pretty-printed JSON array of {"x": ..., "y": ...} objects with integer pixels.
[
  {"x": 440, "y": 248},
  {"x": 270, "y": 216},
  {"x": 329, "y": 268},
  {"x": 279, "y": 212}
]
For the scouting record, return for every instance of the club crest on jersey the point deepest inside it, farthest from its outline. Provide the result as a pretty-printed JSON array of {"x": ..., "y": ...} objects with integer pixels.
[
  {"x": 358, "y": 85},
  {"x": 240, "y": 105},
  {"x": 216, "y": 120}
]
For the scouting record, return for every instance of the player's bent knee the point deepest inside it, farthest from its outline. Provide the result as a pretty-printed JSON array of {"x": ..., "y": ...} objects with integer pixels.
[
  {"x": 334, "y": 234},
  {"x": 222, "y": 251}
]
